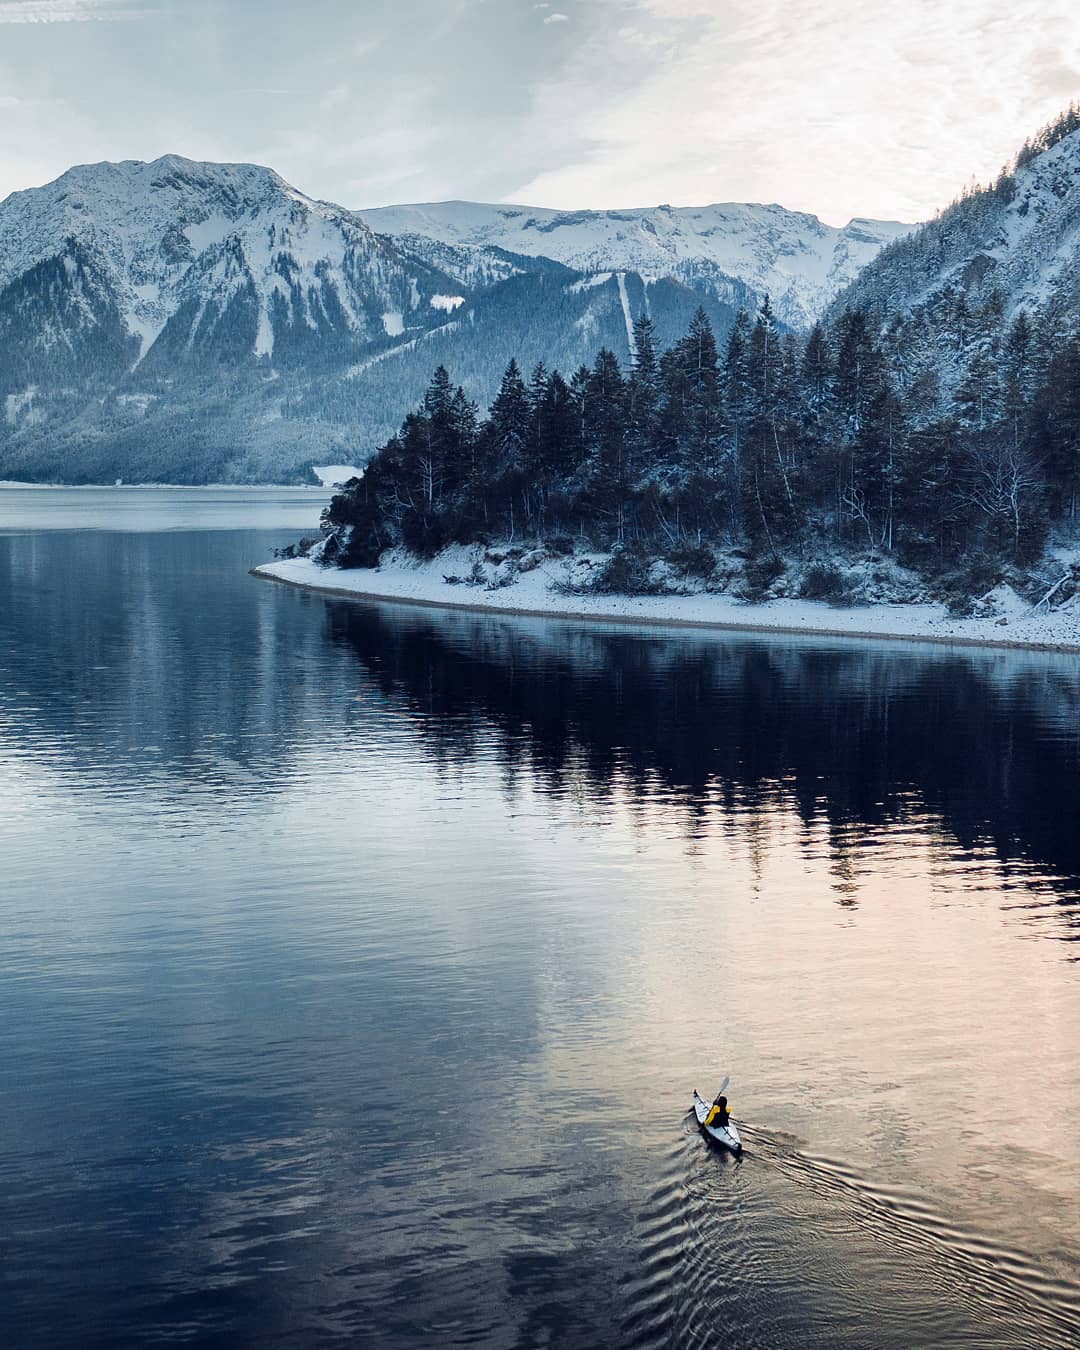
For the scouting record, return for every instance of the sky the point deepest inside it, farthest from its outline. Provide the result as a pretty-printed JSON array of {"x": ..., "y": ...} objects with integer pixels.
[{"x": 840, "y": 107}]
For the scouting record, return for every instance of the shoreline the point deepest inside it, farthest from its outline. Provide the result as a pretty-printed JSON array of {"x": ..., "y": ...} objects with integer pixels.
[{"x": 654, "y": 611}]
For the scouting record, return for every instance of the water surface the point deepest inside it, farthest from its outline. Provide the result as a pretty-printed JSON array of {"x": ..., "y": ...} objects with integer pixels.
[{"x": 359, "y": 961}]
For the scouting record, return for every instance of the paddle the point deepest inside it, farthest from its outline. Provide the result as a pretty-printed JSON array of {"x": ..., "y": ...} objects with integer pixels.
[{"x": 723, "y": 1085}]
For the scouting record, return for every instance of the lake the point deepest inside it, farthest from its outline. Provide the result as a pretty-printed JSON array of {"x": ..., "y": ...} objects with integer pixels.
[{"x": 359, "y": 962}]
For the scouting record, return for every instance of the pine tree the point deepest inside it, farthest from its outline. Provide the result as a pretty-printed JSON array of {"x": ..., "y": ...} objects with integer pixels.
[
  {"x": 1020, "y": 383},
  {"x": 738, "y": 404},
  {"x": 978, "y": 396},
  {"x": 562, "y": 423},
  {"x": 706, "y": 421},
  {"x": 1058, "y": 422},
  {"x": 768, "y": 498},
  {"x": 507, "y": 442},
  {"x": 607, "y": 440},
  {"x": 642, "y": 399},
  {"x": 537, "y": 438},
  {"x": 463, "y": 444},
  {"x": 510, "y": 417},
  {"x": 764, "y": 364},
  {"x": 674, "y": 424},
  {"x": 815, "y": 380}
]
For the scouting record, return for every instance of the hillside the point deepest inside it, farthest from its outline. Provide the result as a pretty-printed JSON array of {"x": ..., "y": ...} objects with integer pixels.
[
  {"x": 188, "y": 322},
  {"x": 1014, "y": 244}
]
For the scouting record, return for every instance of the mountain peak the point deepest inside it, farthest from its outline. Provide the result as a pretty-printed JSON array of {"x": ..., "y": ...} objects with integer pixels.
[{"x": 166, "y": 176}]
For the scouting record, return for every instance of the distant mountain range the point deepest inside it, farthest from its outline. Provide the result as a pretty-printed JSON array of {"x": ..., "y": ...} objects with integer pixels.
[
  {"x": 195, "y": 322},
  {"x": 191, "y": 322},
  {"x": 721, "y": 250}
]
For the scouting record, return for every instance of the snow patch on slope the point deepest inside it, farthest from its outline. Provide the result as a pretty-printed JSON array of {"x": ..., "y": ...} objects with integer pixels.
[{"x": 624, "y": 300}]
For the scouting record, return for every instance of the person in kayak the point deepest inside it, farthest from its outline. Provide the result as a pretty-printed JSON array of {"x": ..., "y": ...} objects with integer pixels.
[{"x": 719, "y": 1115}]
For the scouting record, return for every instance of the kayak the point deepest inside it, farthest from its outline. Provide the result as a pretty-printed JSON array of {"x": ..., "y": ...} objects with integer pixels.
[{"x": 727, "y": 1135}]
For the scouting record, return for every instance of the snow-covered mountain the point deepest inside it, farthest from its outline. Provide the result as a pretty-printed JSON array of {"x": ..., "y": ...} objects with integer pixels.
[
  {"x": 187, "y": 255},
  {"x": 1015, "y": 245},
  {"x": 726, "y": 249}
]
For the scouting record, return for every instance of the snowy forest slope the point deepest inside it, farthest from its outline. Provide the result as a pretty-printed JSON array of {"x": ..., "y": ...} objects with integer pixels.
[{"x": 1015, "y": 242}]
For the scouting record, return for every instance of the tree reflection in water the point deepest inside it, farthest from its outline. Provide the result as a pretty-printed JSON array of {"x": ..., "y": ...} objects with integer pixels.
[{"x": 859, "y": 735}]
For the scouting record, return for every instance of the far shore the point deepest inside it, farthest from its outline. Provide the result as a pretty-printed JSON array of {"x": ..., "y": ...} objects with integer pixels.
[
  {"x": 18, "y": 483},
  {"x": 417, "y": 583}
]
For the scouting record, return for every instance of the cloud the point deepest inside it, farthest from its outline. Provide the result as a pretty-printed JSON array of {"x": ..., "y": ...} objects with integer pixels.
[
  {"x": 65, "y": 11},
  {"x": 841, "y": 107}
]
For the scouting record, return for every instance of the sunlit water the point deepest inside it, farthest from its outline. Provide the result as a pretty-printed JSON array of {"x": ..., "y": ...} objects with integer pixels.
[{"x": 358, "y": 964}]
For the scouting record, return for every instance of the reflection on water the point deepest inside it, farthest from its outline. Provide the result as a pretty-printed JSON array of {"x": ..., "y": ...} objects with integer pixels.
[
  {"x": 359, "y": 962},
  {"x": 980, "y": 748}
]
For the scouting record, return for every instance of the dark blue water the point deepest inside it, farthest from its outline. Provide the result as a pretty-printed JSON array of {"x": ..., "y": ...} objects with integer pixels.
[{"x": 358, "y": 963}]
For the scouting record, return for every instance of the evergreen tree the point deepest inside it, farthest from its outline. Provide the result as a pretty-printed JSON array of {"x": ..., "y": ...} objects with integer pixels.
[
  {"x": 945, "y": 433},
  {"x": 738, "y": 402},
  {"x": 706, "y": 420},
  {"x": 1019, "y": 383},
  {"x": 643, "y": 399},
  {"x": 1058, "y": 427},
  {"x": 764, "y": 364},
  {"x": 510, "y": 418},
  {"x": 538, "y": 429},
  {"x": 562, "y": 422},
  {"x": 607, "y": 436}
]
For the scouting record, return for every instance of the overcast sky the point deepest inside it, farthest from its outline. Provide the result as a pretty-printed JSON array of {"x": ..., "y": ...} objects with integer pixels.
[{"x": 842, "y": 107}]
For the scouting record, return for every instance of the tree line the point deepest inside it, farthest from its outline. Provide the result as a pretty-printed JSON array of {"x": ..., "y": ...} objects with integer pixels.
[{"x": 943, "y": 437}]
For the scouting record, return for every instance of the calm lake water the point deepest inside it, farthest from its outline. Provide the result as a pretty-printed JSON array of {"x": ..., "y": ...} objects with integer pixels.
[{"x": 358, "y": 963}]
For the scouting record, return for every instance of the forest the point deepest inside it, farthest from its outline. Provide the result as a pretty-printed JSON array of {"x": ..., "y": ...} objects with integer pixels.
[{"x": 949, "y": 440}]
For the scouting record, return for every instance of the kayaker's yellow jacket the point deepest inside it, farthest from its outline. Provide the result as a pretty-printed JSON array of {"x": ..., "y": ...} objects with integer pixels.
[{"x": 715, "y": 1116}]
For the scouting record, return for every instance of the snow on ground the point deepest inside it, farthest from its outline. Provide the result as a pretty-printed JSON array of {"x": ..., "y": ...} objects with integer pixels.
[
  {"x": 402, "y": 578},
  {"x": 333, "y": 475},
  {"x": 589, "y": 282},
  {"x": 15, "y": 404}
]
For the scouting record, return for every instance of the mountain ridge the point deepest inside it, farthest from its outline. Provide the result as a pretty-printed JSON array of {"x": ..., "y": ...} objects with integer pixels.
[{"x": 791, "y": 255}]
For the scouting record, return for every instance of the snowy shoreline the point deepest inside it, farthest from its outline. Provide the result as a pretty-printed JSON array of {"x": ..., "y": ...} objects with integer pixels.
[{"x": 408, "y": 581}]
